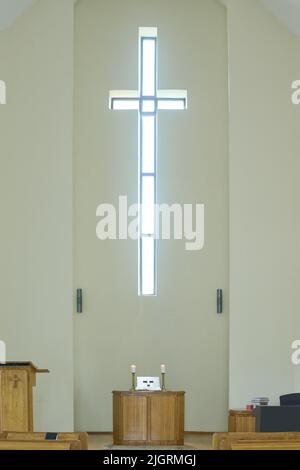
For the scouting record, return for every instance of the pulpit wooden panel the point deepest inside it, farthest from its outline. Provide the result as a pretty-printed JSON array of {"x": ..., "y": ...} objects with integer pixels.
[
  {"x": 163, "y": 418},
  {"x": 15, "y": 407},
  {"x": 134, "y": 418},
  {"x": 148, "y": 418},
  {"x": 16, "y": 402}
]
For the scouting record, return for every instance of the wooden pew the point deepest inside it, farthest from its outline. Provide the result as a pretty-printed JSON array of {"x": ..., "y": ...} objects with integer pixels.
[
  {"x": 82, "y": 437},
  {"x": 223, "y": 441},
  {"x": 39, "y": 445},
  {"x": 266, "y": 445}
]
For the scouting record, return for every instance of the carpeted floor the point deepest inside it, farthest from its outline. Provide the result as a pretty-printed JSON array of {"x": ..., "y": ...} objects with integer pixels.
[{"x": 193, "y": 441}]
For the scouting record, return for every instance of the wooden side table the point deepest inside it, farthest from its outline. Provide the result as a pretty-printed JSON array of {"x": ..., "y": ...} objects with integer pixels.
[
  {"x": 241, "y": 421},
  {"x": 148, "y": 418}
]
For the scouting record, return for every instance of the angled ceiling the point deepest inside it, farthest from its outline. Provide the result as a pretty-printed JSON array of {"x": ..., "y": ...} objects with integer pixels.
[
  {"x": 10, "y": 10},
  {"x": 288, "y": 11}
]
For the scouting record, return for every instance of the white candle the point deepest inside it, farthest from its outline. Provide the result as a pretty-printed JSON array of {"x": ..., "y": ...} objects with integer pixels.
[
  {"x": 133, "y": 369},
  {"x": 163, "y": 369}
]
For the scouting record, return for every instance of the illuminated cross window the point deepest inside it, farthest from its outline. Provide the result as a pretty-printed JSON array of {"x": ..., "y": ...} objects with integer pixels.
[{"x": 148, "y": 100}]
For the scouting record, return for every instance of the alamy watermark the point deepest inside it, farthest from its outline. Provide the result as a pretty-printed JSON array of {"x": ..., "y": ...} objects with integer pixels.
[
  {"x": 296, "y": 93},
  {"x": 2, "y": 352},
  {"x": 2, "y": 92},
  {"x": 162, "y": 221},
  {"x": 295, "y": 357}
]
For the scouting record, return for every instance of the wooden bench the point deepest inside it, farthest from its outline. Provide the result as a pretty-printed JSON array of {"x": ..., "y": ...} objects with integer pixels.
[
  {"x": 82, "y": 437},
  {"x": 224, "y": 441},
  {"x": 266, "y": 445},
  {"x": 39, "y": 445}
]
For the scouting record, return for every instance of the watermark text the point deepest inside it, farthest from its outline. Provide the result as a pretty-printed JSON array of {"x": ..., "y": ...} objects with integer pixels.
[
  {"x": 161, "y": 221},
  {"x": 2, "y": 92}
]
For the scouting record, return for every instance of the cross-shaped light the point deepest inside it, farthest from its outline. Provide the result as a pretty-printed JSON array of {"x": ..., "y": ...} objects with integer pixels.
[{"x": 148, "y": 100}]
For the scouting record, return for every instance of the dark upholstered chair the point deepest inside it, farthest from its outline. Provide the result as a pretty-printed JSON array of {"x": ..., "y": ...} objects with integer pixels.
[
  {"x": 293, "y": 399},
  {"x": 283, "y": 418},
  {"x": 277, "y": 418}
]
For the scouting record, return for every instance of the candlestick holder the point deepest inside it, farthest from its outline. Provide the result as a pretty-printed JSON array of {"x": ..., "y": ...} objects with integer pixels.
[
  {"x": 163, "y": 385},
  {"x": 132, "y": 381}
]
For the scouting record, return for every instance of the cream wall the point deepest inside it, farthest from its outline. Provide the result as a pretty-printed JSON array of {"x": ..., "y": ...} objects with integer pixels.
[
  {"x": 180, "y": 326},
  {"x": 36, "y": 61},
  {"x": 264, "y": 203}
]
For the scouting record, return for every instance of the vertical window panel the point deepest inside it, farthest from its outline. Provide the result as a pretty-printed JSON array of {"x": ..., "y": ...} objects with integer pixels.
[
  {"x": 148, "y": 205},
  {"x": 148, "y": 144},
  {"x": 148, "y": 266},
  {"x": 148, "y": 67}
]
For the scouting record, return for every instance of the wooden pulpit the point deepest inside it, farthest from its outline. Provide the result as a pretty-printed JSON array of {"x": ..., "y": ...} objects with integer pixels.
[
  {"x": 148, "y": 418},
  {"x": 17, "y": 380}
]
